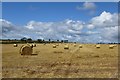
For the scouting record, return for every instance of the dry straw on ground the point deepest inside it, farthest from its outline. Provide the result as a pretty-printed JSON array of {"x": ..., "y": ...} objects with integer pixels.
[{"x": 76, "y": 62}]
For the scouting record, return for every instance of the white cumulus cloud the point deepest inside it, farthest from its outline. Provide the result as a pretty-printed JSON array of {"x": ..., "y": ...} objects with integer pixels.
[
  {"x": 106, "y": 19},
  {"x": 102, "y": 28},
  {"x": 89, "y": 6}
]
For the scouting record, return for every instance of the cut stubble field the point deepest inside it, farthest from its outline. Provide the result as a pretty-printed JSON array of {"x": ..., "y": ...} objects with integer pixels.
[{"x": 49, "y": 62}]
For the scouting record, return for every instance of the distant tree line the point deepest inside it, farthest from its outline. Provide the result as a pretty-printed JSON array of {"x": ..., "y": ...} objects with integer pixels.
[
  {"x": 29, "y": 40},
  {"x": 108, "y": 43}
]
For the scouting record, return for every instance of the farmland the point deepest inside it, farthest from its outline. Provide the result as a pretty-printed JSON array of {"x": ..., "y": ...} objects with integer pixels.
[{"x": 49, "y": 62}]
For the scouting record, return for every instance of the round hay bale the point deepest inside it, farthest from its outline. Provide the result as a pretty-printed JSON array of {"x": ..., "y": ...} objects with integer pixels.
[
  {"x": 80, "y": 46},
  {"x": 26, "y": 50},
  {"x": 111, "y": 46},
  {"x": 97, "y": 46},
  {"x": 75, "y": 45},
  {"x": 57, "y": 44},
  {"x": 54, "y": 46},
  {"x": 115, "y": 45},
  {"x": 34, "y": 45},
  {"x": 44, "y": 44},
  {"x": 15, "y": 45},
  {"x": 66, "y": 47},
  {"x": 31, "y": 45}
]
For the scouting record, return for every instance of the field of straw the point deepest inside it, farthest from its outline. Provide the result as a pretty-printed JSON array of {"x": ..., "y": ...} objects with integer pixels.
[{"x": 49, "y": 62}]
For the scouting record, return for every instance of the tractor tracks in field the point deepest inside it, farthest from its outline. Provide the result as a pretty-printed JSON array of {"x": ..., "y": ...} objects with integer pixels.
[
  {"x": 69, "y": 62},
  {"x": 65, "y": 67},
  {"x": 72, "y": 52}
]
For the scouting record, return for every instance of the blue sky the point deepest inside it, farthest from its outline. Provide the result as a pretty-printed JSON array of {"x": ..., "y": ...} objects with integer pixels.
[
  {"x": 22, "y": 12},
  {"x": 75, "y": 21}
]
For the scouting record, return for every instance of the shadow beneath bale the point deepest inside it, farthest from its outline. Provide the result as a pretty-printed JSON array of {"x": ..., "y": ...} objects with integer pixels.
[
  {"x": 57, "y": 52},
  {"x": 29, "y": 54},
  {"x": 96, "y": 56},
  {"x": 34, "y": 54}
]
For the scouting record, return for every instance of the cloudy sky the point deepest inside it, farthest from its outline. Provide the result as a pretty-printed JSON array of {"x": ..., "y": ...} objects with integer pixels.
[{"x": 80, "y": 21}]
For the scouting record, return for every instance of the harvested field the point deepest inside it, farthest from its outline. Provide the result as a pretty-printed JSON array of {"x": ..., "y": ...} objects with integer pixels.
[{"x": 47, "y": 62}]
